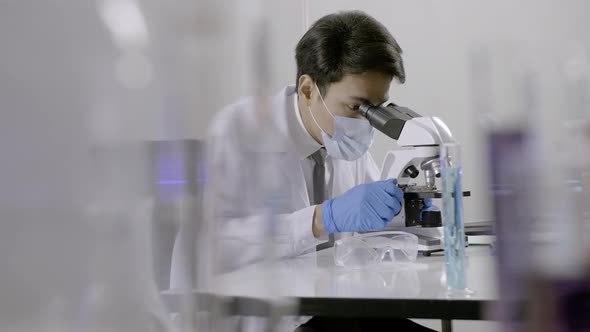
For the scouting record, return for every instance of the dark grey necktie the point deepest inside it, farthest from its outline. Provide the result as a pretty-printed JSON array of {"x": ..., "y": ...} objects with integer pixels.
[
  {"x": 319, "y": 187},
  {"x": 319, "y": 177}
]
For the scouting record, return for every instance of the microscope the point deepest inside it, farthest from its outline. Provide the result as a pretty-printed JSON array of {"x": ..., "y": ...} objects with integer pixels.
[{"x": 416, "y": 166}]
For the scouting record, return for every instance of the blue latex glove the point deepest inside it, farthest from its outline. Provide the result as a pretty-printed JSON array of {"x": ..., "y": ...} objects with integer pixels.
[
  {"x": 428, "y": 206},
  {"x": 365, "y": 207}
]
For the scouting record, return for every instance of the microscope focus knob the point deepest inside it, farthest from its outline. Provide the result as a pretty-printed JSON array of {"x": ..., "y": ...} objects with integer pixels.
[
  {"x": 412, "y": 171},
  {"x": 431, "y": 219}
]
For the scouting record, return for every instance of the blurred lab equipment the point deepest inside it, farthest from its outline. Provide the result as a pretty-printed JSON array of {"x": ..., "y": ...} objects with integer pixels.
[
  {"x": 538, "y": 172},
  {"x": 420, "y": 139},
  {"x": 178, "y": 175}
]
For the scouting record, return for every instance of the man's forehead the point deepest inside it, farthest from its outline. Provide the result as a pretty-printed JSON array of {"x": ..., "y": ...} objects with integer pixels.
[
  {"x": 363, "y": 87},
  {"x": 369, "y": 100}
]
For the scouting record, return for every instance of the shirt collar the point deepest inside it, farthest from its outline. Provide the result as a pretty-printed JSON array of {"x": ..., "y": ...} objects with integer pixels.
[{"x": 305, "y": 144}]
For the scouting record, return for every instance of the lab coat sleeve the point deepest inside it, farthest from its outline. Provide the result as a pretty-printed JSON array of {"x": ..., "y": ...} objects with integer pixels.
[{"x": 247, "y": 239}]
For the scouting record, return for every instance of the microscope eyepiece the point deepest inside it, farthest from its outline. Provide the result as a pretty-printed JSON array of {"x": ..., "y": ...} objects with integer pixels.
[{"x": 388, "y": 119}]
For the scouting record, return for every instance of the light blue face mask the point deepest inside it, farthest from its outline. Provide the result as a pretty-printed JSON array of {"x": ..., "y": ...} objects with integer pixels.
[{"x": 351, "y": 138}]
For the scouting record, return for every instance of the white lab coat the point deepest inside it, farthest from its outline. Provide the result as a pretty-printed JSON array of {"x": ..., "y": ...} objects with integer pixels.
[{"x": 257, "y": 202}]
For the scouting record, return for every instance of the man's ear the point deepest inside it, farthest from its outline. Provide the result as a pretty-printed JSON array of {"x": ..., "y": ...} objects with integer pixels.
[{"x": 305, "y": 87}]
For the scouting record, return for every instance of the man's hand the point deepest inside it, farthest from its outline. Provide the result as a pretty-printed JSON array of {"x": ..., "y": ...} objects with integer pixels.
[
  {"x": 365, "y": 207},
  {"x": 316, "y": 226}
]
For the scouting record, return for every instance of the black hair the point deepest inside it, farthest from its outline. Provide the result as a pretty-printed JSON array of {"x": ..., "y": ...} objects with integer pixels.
[{"x": 350, "y": 42}]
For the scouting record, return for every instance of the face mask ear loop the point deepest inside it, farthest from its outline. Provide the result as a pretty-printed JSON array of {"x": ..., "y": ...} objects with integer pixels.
[
  {"x": 316, "y": 123},
  {"x": 323, "y": 102}
]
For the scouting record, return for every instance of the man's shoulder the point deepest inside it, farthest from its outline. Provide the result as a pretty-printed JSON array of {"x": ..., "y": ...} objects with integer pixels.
[
  {"x": 248, "y": 115},
  {"x": 232, "y": 117}
]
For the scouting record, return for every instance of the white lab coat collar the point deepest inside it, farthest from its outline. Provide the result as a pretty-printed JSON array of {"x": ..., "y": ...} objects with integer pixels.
[
  {"x": 284, "y": 130},
  {"x": 266, "y": 129}
]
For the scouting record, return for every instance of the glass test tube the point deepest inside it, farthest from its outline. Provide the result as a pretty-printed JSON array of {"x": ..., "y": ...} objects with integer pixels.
[{"x": 454, "y": 232}]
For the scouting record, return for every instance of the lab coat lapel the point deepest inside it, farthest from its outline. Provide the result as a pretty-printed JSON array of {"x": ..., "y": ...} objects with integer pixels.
[
  {"x": 293, "y": 170},
  {"x": 297, "y": 183}
]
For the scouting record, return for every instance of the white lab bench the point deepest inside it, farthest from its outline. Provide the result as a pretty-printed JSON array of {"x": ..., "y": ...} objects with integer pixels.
[{"x": 314, "y": 286}]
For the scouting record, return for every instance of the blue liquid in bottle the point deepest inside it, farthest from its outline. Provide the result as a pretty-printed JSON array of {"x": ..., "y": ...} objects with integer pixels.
[{"x": 454, "y": 232}]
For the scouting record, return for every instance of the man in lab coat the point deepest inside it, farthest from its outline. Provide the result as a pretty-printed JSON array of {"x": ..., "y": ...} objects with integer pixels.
[{"x": 288, "y": 171}]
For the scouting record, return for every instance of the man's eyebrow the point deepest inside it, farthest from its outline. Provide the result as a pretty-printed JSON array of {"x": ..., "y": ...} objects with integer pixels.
[{"x": 366, "y": 101}]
